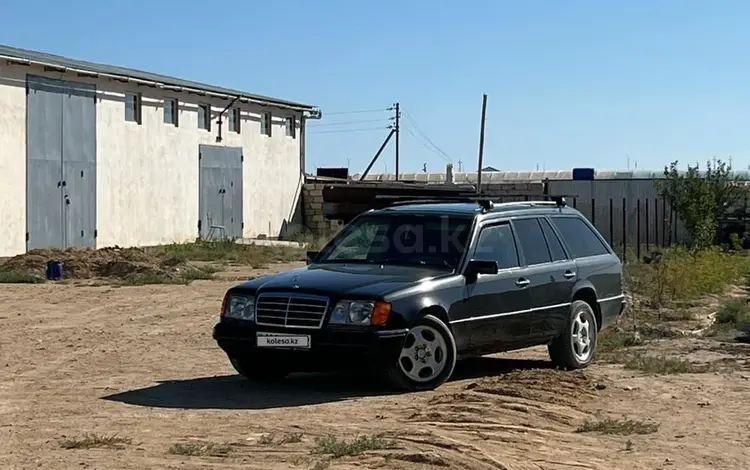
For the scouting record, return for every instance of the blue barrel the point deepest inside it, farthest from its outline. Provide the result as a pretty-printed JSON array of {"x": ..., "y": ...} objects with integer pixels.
[{"x": 54, "y": 270}]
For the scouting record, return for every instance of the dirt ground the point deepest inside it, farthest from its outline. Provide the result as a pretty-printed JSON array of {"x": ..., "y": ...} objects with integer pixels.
[{"x": 139, "y": 363}]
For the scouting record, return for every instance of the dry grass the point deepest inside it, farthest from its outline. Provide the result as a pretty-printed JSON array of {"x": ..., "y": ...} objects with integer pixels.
[
  {"x": 330, "y": 445},
  {"x": 227, "y": 251},
  {"x": 662, "y": 365},
  {"x": 168, "y": 264},
  {"x": 286, "y": 438},
  {"x": 617, "y": 426},
  {"x": 90, "y": 441},
  {"x": 205, "y": 449},
  {"x": 681, "y": 275}
]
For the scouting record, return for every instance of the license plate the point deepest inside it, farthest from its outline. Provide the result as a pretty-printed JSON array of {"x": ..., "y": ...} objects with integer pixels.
[{"x": 275, "y": 340}]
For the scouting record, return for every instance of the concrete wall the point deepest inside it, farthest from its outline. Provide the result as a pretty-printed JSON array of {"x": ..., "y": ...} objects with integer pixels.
[{"x": 147, "y": 174}]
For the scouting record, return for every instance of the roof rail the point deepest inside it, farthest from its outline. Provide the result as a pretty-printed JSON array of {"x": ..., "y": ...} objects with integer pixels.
[{"x": 485, "y": 202}]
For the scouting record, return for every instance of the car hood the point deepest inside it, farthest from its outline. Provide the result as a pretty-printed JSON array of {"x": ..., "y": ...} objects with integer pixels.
[{"x": 359, "y": 280}]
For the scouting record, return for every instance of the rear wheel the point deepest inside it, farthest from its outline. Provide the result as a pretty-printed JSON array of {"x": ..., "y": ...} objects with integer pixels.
[
  {"x": 576, "y": 347},
  {"x": 427, "y": 358},
  {"x": 259, "y": 372}
]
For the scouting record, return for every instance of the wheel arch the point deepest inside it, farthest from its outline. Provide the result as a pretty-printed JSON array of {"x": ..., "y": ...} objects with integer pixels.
[
  {"x": 437, "y": 311},
  {"x": 587, "y": 294}
]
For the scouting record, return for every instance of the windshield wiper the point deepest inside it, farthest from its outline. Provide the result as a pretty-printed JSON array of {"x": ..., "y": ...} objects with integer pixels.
[{"x": 413, "y": 262}]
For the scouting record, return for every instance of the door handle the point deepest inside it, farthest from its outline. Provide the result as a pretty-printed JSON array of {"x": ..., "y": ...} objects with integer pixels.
[
  {"x": 522, "y": 282},
  {"x": 569, "y": 274}
]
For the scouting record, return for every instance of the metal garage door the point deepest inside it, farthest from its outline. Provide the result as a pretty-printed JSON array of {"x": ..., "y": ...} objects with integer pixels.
[
  {"x": 220, "y": 189},
  {"x": 61, "y": 170}
]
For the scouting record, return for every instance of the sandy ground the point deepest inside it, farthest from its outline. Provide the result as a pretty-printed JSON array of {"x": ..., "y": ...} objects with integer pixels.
[{"x": 140, "y": 363}]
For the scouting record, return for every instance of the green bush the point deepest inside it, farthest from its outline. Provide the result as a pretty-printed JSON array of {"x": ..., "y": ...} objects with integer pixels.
[
  {"x": 682, "y": 274},
  {"x": 736, "y": 312}
]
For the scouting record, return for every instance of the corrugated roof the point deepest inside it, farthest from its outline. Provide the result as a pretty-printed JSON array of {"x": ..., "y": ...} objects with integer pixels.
[{"x": 59, "y": 61}]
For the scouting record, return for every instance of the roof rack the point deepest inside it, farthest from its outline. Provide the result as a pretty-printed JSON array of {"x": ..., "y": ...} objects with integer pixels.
[{"x": 485, "y": 202}]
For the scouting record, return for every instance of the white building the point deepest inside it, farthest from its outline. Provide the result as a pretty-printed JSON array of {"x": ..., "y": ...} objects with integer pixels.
[{"x": 94, "y": 155}]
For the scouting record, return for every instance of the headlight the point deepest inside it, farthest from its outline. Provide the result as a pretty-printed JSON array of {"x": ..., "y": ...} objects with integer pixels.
[
  {"x": 355, "y": 312},
  {"x": 240, "y": 307}
]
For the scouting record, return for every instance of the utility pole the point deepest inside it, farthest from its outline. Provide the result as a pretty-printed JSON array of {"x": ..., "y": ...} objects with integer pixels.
[
  {"x": 398, "y": 132},
  {"x": 481, "y": 144}
]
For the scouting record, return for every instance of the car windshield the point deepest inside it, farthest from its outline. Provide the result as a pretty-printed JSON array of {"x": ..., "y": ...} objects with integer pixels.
[{"x": 404, "y": 239}]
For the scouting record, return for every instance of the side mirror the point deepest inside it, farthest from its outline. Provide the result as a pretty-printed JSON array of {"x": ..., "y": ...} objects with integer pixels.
[
  {"x": 478, "y": 266},
  {"x": 311, "y": 255}
]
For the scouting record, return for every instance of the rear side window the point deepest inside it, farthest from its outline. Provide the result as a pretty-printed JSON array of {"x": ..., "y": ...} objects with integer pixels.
[
  {"x": 532, "y": 242},
  {"x": 581, "y": 240},
  {"x": 556, "y": 249}
]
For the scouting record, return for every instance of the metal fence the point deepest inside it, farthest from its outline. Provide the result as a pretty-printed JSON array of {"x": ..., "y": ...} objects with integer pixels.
[{"x": 637, "y": 226}]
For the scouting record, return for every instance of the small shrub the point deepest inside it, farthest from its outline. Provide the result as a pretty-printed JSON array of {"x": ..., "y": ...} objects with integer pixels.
[
  {"x": 618, "y": 426},
  {"x": 611, "y": 340},
  {"x": 735, "y": 312},
  {"x": 90, "y": 441},
  {"x": 14, "y": 277},
  {"x": 336, "y": 448},
  {"x": 211, "y": 449},
  {"x": 661, "y": 365},
  {"x": 287, "y": 438}
]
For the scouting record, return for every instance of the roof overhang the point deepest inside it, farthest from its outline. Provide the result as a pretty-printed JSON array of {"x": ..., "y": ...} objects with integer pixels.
[{"x": 314, "y": 112}]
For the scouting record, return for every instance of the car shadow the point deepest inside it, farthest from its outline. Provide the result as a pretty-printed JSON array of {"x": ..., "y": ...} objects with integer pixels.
[{"x": 233, "y": 392}]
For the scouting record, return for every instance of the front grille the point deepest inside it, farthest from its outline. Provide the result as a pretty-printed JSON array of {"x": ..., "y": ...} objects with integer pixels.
[{"x": 290, "y": 310}]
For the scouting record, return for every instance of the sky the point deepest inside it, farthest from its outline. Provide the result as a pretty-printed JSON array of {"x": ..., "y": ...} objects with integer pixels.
[{"x": 570, "y": 83}]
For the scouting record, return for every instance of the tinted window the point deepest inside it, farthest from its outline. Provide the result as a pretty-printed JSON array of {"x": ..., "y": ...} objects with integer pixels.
[
  {"x": 579, "y": 237},
  {"x": 555, "y": 247},
  {"x": 401, "y": 239},
  {"x": 532, "y": 242},
  {"x": 496, "y": 243}
]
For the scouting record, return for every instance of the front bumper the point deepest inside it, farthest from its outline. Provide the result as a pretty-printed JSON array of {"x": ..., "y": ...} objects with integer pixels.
[{"x": 330, "y": 348}]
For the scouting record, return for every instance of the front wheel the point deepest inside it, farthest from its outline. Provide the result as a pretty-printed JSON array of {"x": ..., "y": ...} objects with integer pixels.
[
  {"x": 259, "y": 372},
  {"x": 576, "y": 347},
  {"x": 427, "y": 358}
]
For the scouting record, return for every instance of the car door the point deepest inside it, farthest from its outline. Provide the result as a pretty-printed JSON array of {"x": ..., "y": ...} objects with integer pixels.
[
  {"x": 487, "y": 319},
  {"x": 564, "y": 271},
  {"x": 550, "y": 275}
]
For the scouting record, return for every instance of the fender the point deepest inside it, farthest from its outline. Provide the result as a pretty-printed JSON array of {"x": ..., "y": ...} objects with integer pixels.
[{"x": 437, "y": 296}]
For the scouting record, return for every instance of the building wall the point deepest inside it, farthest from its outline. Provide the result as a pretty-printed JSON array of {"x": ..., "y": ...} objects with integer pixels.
[{"x": 147, "y": 174}]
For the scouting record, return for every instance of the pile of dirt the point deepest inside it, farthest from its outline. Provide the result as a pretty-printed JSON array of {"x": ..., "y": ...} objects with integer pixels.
[
  {"x": 111, "y": 262},
  {"x": 545, "y": 385}
]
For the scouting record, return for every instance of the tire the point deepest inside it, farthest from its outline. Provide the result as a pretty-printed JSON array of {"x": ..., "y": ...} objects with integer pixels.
[
  {"x": 566, "y": 351},
  {"x": 428, "y": 344},
  {"x": 259, "y": 372}
]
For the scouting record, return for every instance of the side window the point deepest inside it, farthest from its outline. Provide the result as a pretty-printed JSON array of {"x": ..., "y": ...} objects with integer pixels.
[
  {"x": 555, "y": 246},
  {"x": 532, "y": 242},
  {"x": 496, "y": 243},
  {"x": 579, "y": 237}
]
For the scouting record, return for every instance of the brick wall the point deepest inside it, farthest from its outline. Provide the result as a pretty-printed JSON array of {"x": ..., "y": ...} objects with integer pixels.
[{"x": 312, "y": 204}]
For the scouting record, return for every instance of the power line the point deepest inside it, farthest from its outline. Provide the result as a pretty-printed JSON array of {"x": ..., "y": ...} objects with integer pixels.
[
  {"x": 363, "y": 111},
  {"x": 341, "y": 123},
  {"x": 419, "y": 130},
  {"x": 350, "y": 130},
  {"x": 422, "y": 142}
]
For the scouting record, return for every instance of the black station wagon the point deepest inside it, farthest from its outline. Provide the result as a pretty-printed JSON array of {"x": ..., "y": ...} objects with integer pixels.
[{"x": 412, "y": 288}]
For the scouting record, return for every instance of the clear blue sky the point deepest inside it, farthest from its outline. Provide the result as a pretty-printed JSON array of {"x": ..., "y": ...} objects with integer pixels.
[{"x": 570, "y": 83}]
